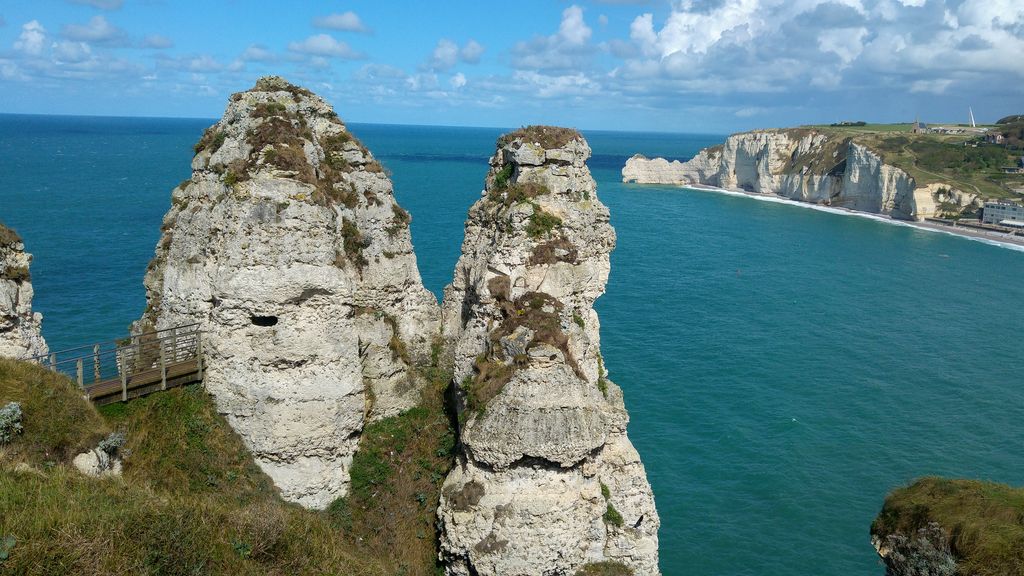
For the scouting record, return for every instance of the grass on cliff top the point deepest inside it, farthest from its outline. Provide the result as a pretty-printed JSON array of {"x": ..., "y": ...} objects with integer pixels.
[
  {"x": 549, "y": 137},
  {"x": 193, "y": 501},
  {"x": 57, "y": 423},
  {"x": 938, "y": 158},
  {"x": 985, "y": 521}
]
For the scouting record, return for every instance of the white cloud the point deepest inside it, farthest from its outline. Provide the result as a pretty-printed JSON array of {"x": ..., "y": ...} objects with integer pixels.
[
  {"x": 444, "y": 56},
  {"x": 847, "y": 43},
  {"x": 557, "y": 86},
  {"x": 750, "y": 111},
  {"x": 97, "y": 31},
  {"x": 345, "y": 21},
  {"x": 203, "y": 63},
  {"x": 101, "y": 4},
  {"x": 325, "y": 45},
  {"x": 573, "y": 29},
  {"x": 471, "y": 52},
  {"x": 67, "y": 51},
  {"x": 157, "y": 41},
  {"x": 458, "y": 80},
  {"x": 31, "y": 39},
  {"x": 931, "y": 86},
  {"x": 602, "y": 20},
  {"x": 447, "y": 54},
  {"x": 566, "y": 50},
  {"x": 257, "y": 53}
]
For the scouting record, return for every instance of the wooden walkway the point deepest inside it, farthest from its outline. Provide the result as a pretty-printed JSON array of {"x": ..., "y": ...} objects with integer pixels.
[{"x": 118, "y": 371}]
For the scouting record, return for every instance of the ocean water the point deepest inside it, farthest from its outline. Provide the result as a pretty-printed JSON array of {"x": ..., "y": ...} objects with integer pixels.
[{"x": 783, "y": 368}]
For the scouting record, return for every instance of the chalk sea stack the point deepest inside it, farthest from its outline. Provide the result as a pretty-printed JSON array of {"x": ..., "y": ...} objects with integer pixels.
[
  {"x": 20, "y": 335},
  {"x": 287, "y": 246},
  {"x": 547, "y": 482}
]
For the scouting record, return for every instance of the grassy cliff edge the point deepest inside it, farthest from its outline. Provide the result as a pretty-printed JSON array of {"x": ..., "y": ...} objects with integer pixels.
[{"x": 981, "y": 523}]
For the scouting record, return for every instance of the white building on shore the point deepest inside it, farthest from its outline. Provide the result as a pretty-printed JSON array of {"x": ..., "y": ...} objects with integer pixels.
[{"x": 1001, "y": 212}]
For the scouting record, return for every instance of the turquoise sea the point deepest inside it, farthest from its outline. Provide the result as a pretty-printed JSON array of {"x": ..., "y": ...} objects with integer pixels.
[{"x": 783, "y": 367}]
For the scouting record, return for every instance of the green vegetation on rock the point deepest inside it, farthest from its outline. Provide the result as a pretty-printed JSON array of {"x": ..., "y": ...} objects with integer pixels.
[
  {"x": 56, "y": 422},
  {"x": 982, "y": 521},
  {"x": 542, "y": 222},
  {"x": 8, "y": 235},
  {"x": 396, "y": 477},
  {"x": 549, "y": 137},
  {"x": 192, "y": 500}
]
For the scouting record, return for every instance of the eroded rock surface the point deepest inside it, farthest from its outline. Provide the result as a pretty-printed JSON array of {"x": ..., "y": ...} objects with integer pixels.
[
  {"x": 547, "y": 480},
  {"x": 806, "y": 165},
  {"x": 20, "y": 335},
  {"x": 288, "y": 247}
]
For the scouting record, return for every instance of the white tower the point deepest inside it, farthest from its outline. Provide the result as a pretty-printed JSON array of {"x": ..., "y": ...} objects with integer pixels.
[{"x": 970, "y": 113}]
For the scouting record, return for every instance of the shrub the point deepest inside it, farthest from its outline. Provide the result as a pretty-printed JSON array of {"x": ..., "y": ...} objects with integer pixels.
[
  {"x": 400, "y": 220},
  {"x": 354, "y": 243},
  {"x": 112, "y": 443},
  {"x": 542, "y": 223},
  {"x": 10, "y": 422},
  {"x": 268, "y": 109},
  {"x": 490, "y": 377},
  {"x": 8, "y": 236},
  {"x": 212, "y": 139},
  {"x": 612, "y": 516},
  {"x": 553, "y": 251},
  {"x": 18, "y": 274},
  {"x": 518, "y": 193},
  {"x": 502, "y": 177}
]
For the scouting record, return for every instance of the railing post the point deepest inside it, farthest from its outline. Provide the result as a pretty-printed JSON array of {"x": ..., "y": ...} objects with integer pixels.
[
  {"x": 124, "y": 378},
  {"x": 163, "y": 366},
  {"x": 53, "y": 362},
  {"x": 80, "y": 373},
  {"x": 199, "y": 353},
  {"x": 96, "y": 362}
]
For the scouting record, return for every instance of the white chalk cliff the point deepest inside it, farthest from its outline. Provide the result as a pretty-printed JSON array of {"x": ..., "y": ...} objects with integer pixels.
[
  {"x": 289, "y": 249},
  {"x": 805, "y": 165},
  {"x": 547, "y": 480},
  {"x": 20, "y": 335}
]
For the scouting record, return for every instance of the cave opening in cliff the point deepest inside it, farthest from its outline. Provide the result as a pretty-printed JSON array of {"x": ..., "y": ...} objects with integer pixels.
[{"x": 264, "y": 320}]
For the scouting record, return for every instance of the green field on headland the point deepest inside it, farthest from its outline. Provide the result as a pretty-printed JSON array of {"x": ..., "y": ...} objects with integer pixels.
[{"x": 955, "y": 155}]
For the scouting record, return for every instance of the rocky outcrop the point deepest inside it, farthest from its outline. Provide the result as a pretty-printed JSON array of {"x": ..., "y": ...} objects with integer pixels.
[
  {"x": 547, "y": 480},
  {"x": 20, "y": 327},
  {"x": 289, "y": 249},
  {"x": 809, "y": 166}
]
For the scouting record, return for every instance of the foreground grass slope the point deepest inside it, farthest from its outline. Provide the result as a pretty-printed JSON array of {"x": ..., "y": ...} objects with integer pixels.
[
  {"x": 983, "y": 521},
  {"x": 191, "y": 499}
]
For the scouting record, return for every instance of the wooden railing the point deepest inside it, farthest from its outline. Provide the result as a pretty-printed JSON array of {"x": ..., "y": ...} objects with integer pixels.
[{"x": 135, "y": 366}]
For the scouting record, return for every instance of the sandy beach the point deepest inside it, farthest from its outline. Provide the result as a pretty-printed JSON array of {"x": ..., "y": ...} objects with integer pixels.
[{"x": 995, "y": 238}]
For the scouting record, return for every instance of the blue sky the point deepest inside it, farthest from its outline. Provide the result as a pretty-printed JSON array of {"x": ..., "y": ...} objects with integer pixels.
[{"x": 685, "y": 65}]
